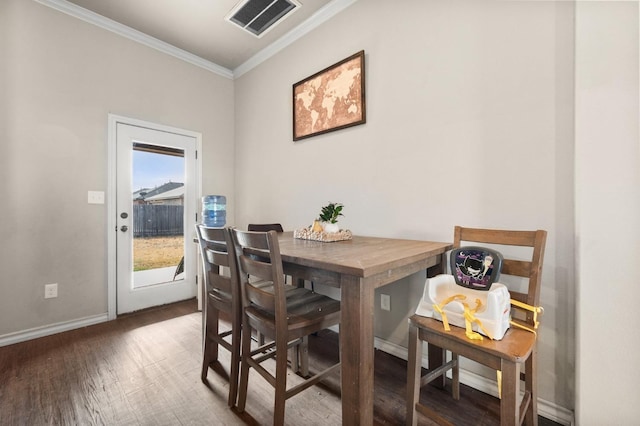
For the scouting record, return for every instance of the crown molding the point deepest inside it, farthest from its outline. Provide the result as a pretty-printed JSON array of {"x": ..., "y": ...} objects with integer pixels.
[
  {"x": 135, "y": 35},
  {"x": 318, "y": 18},
  {"x": 321, "y": 16}
]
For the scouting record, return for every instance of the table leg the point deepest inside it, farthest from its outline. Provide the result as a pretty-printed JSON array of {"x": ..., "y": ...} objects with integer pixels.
[{"x": 356, "y": 350}]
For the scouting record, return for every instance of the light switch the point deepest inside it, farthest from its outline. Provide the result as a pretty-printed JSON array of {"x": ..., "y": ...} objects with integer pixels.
[{"x": 96, "y": 197}]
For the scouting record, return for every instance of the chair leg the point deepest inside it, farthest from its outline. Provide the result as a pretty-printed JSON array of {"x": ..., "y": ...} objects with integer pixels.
[
  {"x": 455, "y": 376},
  {"x": 293, "y": 356},
  {"x": 299, "y": 357},
  {"x": 303, "y": 356},
  {"x": 235, "y": 366},
  {"x": 281, "y": 381},
  {"x": 436, "y": 358},
  {"x": 244, "y": 366},
  {"x": 509, "y": 407},
  {"x": 414, "y": 372},
  {"x": 205, "y": 358},
  {"x": 531, "y": 385},
  {"x": 210, "y": 347}
]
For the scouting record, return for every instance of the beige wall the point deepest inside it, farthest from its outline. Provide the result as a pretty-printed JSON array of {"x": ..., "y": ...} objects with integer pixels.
[
  {"x": 61, "y": 77},
  {"x": 608, "y": 206},
  {"x": 449, "y": 85},
  {"x": 469, "y": 121}
]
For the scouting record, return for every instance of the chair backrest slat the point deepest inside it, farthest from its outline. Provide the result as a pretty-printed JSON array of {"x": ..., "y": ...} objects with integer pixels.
[
  {"x": 216, "y": 256},
  {"x": 220, "y": 282},
  {"x": 529, "y": 269},
  {"x": 265, "y": 227},
  {"x": 519, "y": 268},
  {"x": 509, "y": 238},
  {"x": 260, "y": 273},
  {"x": 520, "y": 297},
  {"x": 260, "y": 267},
  {"x": 214, "y": 243}
]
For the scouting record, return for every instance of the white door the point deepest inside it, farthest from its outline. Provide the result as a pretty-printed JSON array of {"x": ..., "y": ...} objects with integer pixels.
[{"x": 154, "y": 233}]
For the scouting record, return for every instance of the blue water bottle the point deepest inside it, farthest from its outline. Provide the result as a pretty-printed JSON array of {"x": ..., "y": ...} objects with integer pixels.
[{"x": 214, "y": 211}]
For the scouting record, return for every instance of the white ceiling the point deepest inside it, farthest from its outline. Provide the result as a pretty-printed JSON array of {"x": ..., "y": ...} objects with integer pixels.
[{"x": 199, "y": 28}]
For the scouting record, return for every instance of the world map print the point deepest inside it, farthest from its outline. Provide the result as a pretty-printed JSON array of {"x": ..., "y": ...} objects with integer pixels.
[{"x": 330, "y": 100}]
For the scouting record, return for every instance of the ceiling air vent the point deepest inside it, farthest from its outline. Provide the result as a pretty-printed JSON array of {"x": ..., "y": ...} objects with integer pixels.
[{"x": 258, "y": 16}]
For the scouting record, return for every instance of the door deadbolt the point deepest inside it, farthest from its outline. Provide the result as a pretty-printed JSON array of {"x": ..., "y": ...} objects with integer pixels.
[{"x": 124, "y": 215}]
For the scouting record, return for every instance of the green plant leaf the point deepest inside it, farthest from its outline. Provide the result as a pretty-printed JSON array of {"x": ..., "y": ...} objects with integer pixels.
[{"x": 331, "y": 212}]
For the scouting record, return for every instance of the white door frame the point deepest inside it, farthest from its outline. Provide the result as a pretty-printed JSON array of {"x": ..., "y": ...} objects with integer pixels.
[{"x": 113, "y": 121}]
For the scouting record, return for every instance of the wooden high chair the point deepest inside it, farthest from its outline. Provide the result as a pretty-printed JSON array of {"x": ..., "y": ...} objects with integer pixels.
[
  {"x": 517, "y": 347},
  {"x": 282, "y": 313},
  {"x": 221, "y": 294}
]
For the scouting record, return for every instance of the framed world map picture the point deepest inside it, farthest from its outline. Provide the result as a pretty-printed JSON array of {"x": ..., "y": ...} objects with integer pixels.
[{"x": 331, "y": 99}]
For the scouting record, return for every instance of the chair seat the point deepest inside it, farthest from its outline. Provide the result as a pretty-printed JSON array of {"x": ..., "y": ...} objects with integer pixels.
[
  {"x": 516, "y": 346},
  {"x": 224, "y": 298},
  {"x": 307, "y": 312}
]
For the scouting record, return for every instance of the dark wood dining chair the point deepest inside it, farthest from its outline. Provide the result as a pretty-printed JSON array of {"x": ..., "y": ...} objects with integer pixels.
[
  {"x": 265, "y": 227},
  {"x": 299, "y": 354},
  {"x": 285, "y": 315},
  {"x": 221, "y": 294},
  {"x": 517, "y": 347}
]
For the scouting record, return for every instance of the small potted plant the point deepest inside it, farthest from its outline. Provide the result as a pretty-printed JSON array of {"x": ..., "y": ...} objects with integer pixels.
[{"x": 329, "y": 217}]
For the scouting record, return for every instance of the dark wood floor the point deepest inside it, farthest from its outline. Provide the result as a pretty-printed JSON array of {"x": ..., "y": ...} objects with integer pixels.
[{"x": 144, "y": 369}]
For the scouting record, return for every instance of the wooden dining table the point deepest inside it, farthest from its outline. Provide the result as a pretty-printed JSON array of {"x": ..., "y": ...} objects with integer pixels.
[{"x": 358, "y": 266}]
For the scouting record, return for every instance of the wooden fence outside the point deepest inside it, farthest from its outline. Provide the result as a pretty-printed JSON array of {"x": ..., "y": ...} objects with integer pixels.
[{"x": 151, "y": 220}]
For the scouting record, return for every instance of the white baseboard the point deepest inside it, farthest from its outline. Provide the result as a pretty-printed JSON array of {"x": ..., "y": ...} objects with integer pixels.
[
  {"x": 546, "y": 408},
  {"x": 34, "y": 333}
]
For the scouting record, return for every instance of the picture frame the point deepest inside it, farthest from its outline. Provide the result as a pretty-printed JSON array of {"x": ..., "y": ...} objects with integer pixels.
[{"x": 331, "y": 99}]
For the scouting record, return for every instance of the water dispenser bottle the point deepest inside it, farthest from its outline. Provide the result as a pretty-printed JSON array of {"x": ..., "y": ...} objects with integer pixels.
[{"x": 214, "y": 211}]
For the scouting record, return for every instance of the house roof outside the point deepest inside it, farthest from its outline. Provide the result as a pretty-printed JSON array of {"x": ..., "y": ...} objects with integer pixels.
[
  {"x": 142, "y": 194},
  {"x": 167, "y": 195}
]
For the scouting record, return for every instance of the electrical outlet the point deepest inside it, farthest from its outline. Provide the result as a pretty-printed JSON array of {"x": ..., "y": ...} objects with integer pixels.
[
  {"x": 95, "y": 197},
  {"x": 50, "y": 291},
  {"x": 385, "y": 302}
]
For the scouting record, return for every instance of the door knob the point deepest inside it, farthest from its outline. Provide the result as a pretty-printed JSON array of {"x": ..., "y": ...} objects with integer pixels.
[{"x": 124, "y": 228}]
